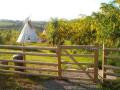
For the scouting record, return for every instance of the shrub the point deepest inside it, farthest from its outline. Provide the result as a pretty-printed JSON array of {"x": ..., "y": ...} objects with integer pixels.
[
  {"x": 100, "y": 64},
  {"x": 111, "y": 85}
]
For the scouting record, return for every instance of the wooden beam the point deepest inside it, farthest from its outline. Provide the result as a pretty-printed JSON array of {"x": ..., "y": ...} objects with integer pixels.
[
  {"x": 112, "y": 57},
  {"x": 26, "y": 73},
  {"x": 81, "y": 63},
  {"x": 79, "y": 71},
  {"x": 112, "y": 67},
  {"x": 27, "y": 47},
  {"x": 81, "y": 55},
  {"x": 112, "y": 49},
  {"x": 112, "y": 74},
  {"x": 59, "y": 62},
  {"x": 96, "y": 64},
  {"x": 29, "y": 53},
  {"x": 29, "y": 68},
  {"x": 88, "y": 47},
  {"x": 31, "y": 62},
  {"x": 104, "y": 61},
  {"x": 77, "y": 78}
]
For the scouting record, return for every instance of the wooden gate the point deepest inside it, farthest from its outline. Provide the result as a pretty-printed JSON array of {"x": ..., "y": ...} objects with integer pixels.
[
  {"x": 88, "y": 67},
  {"x": 64, "y": 56}
]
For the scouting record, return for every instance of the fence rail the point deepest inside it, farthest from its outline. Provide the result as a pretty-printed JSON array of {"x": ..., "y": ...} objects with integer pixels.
[
  {"x": 106, "y": 66},
  {"x": 26, "y": 47},
  {"x": 112, "y": 49},
  {"x": 30, "y": 62}
]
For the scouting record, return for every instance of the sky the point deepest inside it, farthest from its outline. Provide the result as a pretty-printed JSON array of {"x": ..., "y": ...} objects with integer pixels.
[{"x": 41, "y": 10}]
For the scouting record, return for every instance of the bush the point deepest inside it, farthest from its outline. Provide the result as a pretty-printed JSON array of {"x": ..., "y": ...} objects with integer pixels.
[
  {"x": 113, "y": 63},
  {"x": 100, "y": 64},
  {"x": 111, "y": 85}
]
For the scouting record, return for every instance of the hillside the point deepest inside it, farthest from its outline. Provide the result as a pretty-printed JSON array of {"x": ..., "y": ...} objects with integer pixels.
[{"x": 17, "y": 25}]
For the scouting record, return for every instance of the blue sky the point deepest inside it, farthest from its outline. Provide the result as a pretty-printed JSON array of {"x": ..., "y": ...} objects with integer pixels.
[{"x": 46, "y": 9}]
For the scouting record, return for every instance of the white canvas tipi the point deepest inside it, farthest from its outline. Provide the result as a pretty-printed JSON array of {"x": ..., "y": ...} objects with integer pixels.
[{"x": 28, "y": 33}]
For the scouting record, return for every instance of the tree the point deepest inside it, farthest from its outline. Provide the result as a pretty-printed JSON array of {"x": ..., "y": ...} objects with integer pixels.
[
  {"x": 54, "y": 33},
  {"x": 101, "y": 27},
  {"x": 107, "y": 24}
]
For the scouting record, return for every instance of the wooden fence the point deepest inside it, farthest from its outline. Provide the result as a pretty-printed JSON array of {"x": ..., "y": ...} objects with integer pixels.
[
  {"x": 58, "y": 54},
  {"x": 105, "y": 60}
]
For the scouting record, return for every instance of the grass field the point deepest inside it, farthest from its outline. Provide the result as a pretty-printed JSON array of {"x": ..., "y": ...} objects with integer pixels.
[{"x": 5, "y": 23}]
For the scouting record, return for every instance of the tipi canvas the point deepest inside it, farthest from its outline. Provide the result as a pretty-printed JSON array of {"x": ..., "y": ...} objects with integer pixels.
[{"x": 27, "y": 34}]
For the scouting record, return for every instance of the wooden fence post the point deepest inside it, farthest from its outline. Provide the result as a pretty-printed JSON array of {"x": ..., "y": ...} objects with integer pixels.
[
  {"x": 104, "y": 61},
  {"x": 96, "y": 64},
  {"x": 59, "y": 61}
]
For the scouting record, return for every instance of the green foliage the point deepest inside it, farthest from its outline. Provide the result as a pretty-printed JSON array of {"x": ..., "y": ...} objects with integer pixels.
[
  {"x": 54, "y": 32},
  {"x": 82, "y": 32},
  {"x": 8, "y": 36},
  {"x": 111, "y": 85},
  {"x": 101, "y": 27},
  {"x": 107, "y": 24}
]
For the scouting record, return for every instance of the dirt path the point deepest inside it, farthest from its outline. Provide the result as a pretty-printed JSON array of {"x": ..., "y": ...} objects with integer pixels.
[{"x": 67, "y": 85}]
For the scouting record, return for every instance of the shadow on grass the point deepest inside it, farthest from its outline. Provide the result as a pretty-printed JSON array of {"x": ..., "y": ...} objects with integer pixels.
[
  {"x": 17, "y": 82},
  {"x": 21, "y": 82},
  {"x": 48, "y": 83},
  {"x": 65, "y": 84},
  {"x": 8, "y": 83},
  {"x": 28, "y": 82}
]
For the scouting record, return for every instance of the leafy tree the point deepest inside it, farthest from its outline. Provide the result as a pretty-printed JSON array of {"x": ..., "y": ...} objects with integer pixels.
[
  {"x": 101, "y": 27},
  {"x": 107, "y": 23},
  {"x": 53, "y": 31}
]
